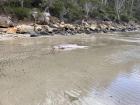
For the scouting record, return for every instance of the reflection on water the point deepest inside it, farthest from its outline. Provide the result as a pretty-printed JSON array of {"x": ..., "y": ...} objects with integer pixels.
[
  {"x": 124, "y": 90},
  {"x": 106, "y": 73}
]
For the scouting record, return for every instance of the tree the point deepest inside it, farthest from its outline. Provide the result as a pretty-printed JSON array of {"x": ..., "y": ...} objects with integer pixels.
[
  {"x": 119, "y": 6},
  {"x": 21, "y": 3}
]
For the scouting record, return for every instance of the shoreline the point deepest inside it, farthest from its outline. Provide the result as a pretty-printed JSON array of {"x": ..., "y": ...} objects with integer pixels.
[
  {"x": 8, "y": 37},
  {"x": 56, "y": 26}
]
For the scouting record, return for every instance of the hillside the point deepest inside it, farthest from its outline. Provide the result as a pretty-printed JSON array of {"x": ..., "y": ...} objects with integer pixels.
[{"x": 73, "y": 10}]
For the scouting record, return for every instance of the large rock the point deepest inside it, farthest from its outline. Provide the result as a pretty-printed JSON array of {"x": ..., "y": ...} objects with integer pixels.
[
  {"x": 44, "y": 18},
  {"x": 24, "y": 29},
  {"x": 62, "y": 25},
  {"x": 11, "y": 30},
  {"x": 54, "y": 20},
  {"x": 6, "y": 22},
  {"x": 48, "y": 29},
  {"x": 3, "y": 30},
  {"x": 70, "y": 26},
  {"x": 44, "y": 29},
  {"x": 93, "y": 27},
  {"x": 103, "y": 26}
]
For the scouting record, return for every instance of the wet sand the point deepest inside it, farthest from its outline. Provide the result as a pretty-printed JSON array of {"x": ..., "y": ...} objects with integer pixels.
[{"x": 105, "y": 73}]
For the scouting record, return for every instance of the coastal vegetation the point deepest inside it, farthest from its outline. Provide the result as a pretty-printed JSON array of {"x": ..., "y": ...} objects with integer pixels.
[{"x": 73, "y": 10}]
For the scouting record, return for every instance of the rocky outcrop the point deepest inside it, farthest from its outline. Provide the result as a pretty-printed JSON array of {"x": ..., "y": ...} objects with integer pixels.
[
  {"x": 22, "y": 29},
  {"x": 44, "y": 18},
  {"x": 6, "y": 22},
  {"x": 54, "y": 26},
  {"x": 88, "y": 28}
]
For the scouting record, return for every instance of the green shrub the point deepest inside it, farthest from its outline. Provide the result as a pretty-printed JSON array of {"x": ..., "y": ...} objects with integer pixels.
[
  {"x": 19, "y": 12},
  {"x": 57, "y": 8},
  {"x": 66, "y": 10},
  {"x": 100, "y": 14},
  {"x": 137, "y": 15},
  {"x": 112, "y": 17},
  {"x": 125, "y": 18},
  {"x": 75, "y": 13}
]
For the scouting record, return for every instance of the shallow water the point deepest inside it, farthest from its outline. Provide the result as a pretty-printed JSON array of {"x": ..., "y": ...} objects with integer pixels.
[{"x": 105, "y": 73}]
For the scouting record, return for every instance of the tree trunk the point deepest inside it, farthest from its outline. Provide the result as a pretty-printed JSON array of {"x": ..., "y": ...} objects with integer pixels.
[
  {"x": 21, "y": 3},
  {"x": 132, "y": 4}
]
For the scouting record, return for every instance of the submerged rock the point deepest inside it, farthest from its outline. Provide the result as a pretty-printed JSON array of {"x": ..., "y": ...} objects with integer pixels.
[
  {"x": 34, "y": 34},
  {"x": 69, "y": 47},
  {"x": 73, "y": 95}
]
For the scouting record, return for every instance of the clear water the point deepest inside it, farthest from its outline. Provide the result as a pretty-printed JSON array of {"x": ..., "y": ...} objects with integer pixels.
[{"x": 105, "y": 73}]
